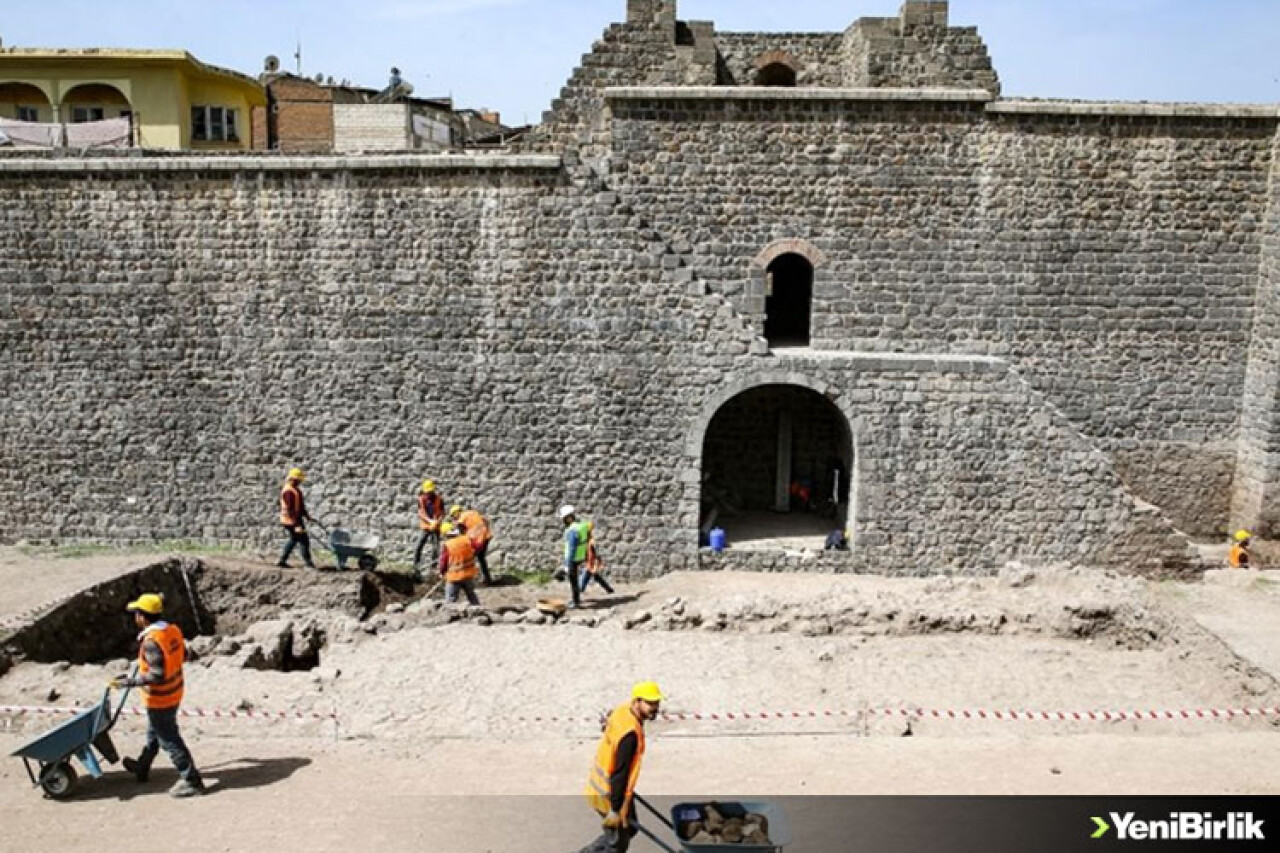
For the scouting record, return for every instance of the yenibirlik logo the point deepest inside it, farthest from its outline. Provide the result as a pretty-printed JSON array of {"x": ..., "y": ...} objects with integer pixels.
[{"x": 1182, "y": 826}]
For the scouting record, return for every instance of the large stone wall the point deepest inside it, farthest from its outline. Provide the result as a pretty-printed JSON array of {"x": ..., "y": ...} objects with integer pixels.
[
  {"x": 1257, "y": 477},
  {"x": 1113, "y": 258},
  {"x": 178, "y": 332},
  {"x": 1041, "y": 324}
]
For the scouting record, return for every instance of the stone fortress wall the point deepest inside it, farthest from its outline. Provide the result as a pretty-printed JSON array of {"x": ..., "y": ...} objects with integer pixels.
[{"x": 1037, "y": 319}]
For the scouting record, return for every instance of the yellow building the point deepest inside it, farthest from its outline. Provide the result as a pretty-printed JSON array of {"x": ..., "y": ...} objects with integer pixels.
[{"x": 174, "y": 100}]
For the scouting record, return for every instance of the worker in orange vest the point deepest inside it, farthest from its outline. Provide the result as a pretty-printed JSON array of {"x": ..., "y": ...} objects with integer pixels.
[
  {"x": 480, "y": 534},
  {"x": 458, "y": 564},
  {"x": 430, "y": 517},
  {"x": 161, "y": 652},
  {"x": 293, "y": 515},
  {"x": 1239, "y": 556},
  {"x": 611, "y": 786}
]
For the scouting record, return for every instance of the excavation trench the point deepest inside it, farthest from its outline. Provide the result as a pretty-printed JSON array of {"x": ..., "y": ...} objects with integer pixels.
[{"x": 273, "y": 609}]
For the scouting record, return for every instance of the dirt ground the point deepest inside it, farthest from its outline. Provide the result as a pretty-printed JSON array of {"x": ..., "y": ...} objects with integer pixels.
[{"x": 460, "y": 735}]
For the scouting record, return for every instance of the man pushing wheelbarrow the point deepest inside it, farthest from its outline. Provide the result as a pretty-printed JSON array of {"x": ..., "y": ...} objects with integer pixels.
[
  {"x": 611, "y": 786},
  {"x": 161, "y": 652}
]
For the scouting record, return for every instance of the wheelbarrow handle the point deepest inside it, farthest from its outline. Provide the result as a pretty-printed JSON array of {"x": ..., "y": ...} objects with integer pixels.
[
  {"x": 643, "y": 830},
  {"x": 124, "y": 696},
  {"x": 659, "y": 815}
]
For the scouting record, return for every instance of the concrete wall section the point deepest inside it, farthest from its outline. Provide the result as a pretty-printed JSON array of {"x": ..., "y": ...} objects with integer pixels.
[{"x": 371, "y": 127}]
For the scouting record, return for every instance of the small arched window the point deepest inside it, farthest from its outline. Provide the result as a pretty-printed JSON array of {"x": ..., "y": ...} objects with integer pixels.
[{"x": 788, "y": 300}]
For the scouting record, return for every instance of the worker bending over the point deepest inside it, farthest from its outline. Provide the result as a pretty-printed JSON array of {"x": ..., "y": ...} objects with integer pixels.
[
  {"x": 612, "y": 784},
  {"x": 458, "y": 564},
  {"x": 161, "y": 652},
  {"x": 480, "y": 534}
]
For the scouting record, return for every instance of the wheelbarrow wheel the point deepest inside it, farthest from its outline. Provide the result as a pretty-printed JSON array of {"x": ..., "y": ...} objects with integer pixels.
[
  {"x": 59, "y": 781},
  {"x": 367, "y": 562}
]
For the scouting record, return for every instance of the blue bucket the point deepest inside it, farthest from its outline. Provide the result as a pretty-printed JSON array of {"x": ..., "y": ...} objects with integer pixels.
[{"x": 717, "y": 540}]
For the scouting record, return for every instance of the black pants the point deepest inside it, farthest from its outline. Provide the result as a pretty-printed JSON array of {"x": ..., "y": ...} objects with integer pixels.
[
  {"x": 434, "y": 538},
  {"x": 484, "y": 562},
  {"x": 302, "y": 540},
  {"x": 162, "y": 731},
  {"x": 573, "y": 584},
  {"x": 585, "y": 578}
]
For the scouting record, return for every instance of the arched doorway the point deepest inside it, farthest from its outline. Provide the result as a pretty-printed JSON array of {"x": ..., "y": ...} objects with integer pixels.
[
  {"x": 94, "y": 102},
  {"x": 24, "y": 102},
  {"x": 776, "y": 74},
  {"x": 778, "y": 463},
  {"x": 788, "y": 300}
]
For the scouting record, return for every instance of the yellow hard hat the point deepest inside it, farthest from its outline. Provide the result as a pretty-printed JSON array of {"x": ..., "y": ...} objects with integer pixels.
[
  {"x": 648, "y": 691},
  {"x": 296, "y": 474},
  {"x": 151, "y": 604},
  {"x": 1242, "y": 535},
  {"x": 455, "y": 510},
  {"x": 428, "y": 485}
]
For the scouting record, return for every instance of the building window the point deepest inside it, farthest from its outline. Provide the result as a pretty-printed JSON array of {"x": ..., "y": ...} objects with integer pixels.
[
  {"x": 788, "y": 300},
  {"x": 28, "y": 113},
  {"x": 213, "y": 124},
  {"x": 83, "y": 114}
]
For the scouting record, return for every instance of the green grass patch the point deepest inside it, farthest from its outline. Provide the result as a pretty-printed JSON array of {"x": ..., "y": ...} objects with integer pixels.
[
  {"x": 74, "y": 550},
  {"x": 531, "y": 577}
]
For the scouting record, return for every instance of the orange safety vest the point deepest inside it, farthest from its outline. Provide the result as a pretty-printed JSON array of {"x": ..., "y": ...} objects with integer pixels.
[
  {"x": 290, "y": 506},
  {"x": 168, "y": 692},
  {"x": 428, "y": 520},
  {"x": 462, "y": 560},
  {"x": 1239, "y": 557},
  {"x": 477, "y": 527},
  {"x": 621, "y": 723}
]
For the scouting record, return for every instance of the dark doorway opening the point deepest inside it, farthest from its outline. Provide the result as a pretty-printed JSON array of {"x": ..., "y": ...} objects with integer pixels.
[
  {"x": 788, "y": 301},
  {"x": 776, "y": 463},
  {"x": 776, "y": 74}
]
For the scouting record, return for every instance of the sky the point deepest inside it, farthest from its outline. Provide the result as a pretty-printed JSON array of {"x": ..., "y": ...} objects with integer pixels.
[{"x": 514, "y": 55}]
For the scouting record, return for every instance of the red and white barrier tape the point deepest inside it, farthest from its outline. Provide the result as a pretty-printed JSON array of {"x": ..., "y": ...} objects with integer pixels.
[
  {"x": 735, "y": 716},
  {"x": 943, "y": 714},
  {"x": 199, "y": 713}
]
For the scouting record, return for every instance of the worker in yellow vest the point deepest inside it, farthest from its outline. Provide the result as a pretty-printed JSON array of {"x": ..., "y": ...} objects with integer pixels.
[
  {"x": 161, "y": 652},
  {"x": 611, "y": 786},
  {"x": 458, "y": 564}
]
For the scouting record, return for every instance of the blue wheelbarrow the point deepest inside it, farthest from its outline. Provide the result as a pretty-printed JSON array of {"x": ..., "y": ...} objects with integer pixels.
[
  {"x": 345, "y": 545},
  {"x": 48, "y": 757}
]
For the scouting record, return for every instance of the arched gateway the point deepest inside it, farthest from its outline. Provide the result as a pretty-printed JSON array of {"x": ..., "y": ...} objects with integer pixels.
[{"x": 777, "y": 464}]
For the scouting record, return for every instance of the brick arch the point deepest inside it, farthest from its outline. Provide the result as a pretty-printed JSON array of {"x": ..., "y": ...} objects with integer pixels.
[
  {"x": 698, "y": 432},
  {"x": 778, "y": 57},
  {"x": 778, "y": 248}
]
